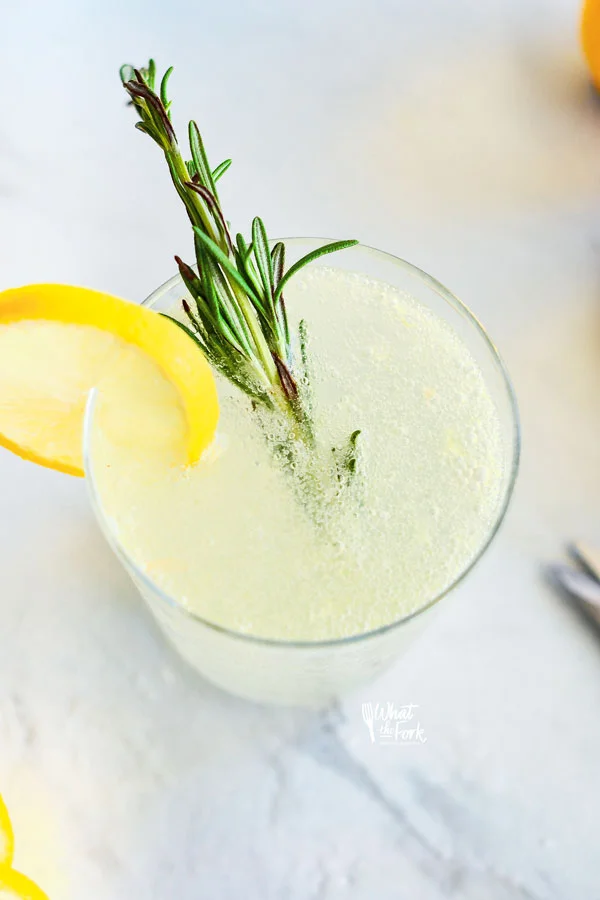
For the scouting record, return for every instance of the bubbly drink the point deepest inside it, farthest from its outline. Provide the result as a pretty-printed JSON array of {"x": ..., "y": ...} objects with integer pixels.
[{"x": 276, "y": 550}]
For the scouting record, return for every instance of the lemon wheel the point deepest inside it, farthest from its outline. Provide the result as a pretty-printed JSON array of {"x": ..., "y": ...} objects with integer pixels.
[{"x": 56, "y": 341}]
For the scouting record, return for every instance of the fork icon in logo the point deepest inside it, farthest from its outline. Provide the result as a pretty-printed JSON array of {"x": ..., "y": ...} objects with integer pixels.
[{"x": 367, "y": 714}]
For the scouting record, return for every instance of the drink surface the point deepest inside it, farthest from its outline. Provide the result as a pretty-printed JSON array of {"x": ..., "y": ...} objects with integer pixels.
[{"x": 236, "y": 540}]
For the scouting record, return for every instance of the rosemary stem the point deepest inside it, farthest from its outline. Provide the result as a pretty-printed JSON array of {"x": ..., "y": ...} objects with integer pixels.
[
  {"x": 238, "y": 314},
  {"x": 262, "y": 348},
  {"x": 180, "y": 175}
]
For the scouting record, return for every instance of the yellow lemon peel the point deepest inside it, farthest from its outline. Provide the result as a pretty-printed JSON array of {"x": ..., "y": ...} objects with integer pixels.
[{"x": 47, "y": 370}]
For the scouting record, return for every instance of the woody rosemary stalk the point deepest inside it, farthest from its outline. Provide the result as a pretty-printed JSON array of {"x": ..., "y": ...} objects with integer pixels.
[{"x": 237, "y": 312}]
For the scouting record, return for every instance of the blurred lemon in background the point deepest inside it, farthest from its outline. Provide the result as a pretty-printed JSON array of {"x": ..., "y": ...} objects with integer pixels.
[
  {"x": 590, "y": 38},
  {"x": 14, "y": 886},
  {"x": 7, "y": 843}
]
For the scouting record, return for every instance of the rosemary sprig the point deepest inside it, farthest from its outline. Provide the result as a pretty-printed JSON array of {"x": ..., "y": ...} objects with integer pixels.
[{"x": 238, "y": 316}]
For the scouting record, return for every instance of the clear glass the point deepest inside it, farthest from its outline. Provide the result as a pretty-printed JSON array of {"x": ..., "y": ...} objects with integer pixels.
[{"x": 314, "y": 673}]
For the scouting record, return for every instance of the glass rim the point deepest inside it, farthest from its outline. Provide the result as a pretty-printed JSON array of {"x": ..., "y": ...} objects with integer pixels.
[{"x": 149, "y": 584}]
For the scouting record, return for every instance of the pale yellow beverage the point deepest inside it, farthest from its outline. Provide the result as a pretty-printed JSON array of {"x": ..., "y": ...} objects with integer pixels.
[{"x": 245, "y": 544}]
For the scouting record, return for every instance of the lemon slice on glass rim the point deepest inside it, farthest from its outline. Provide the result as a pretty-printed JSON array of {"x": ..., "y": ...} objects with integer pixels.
[{"x": 56, "y": 343}]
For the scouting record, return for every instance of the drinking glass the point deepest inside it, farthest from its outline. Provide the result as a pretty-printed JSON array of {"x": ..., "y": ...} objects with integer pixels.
[{"x": 313, "y": 673}]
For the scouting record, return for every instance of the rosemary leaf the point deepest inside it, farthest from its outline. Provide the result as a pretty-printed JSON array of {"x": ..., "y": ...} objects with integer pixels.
[
  {"x": 278, "y": 257},
  {"x": 289, "y": 385},
  {"x": 227, "y": 308},
  {"x": 126, "y": 73},
  {"x": 208, "y": 306},
  {"x": 221, "y": 169},
  {"x": 311, "y": 257},
  {"x": 199, "y": 156},
  {"x": 246, "y": 269},
  {"x": 163, "y": 88},
  {"x": 262, "y": 255},
  {"x": 223, "y": 260},
  {"x": 215, "y": 210},
  {"x": 350, "y": 459},
  {"x": 304, "y": 355},
  {"x": 142, "y": 127},
  {"x": 150, "y": 74}
]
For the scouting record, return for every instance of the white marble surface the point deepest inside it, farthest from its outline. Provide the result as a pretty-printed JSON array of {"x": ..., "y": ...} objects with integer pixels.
[{"x": 462, "y": 136}]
